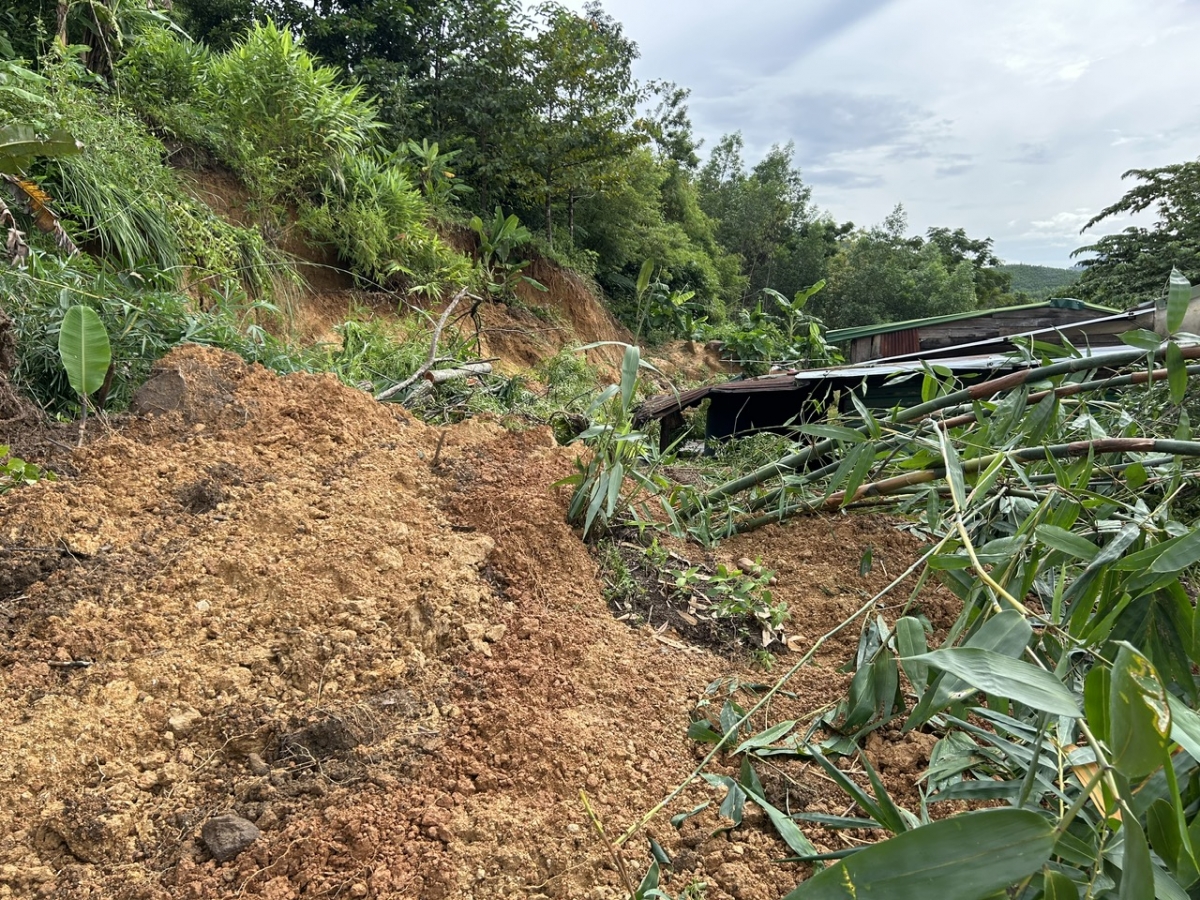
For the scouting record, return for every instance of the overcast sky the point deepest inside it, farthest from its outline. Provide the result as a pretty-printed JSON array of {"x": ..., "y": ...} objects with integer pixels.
[{"x": 1013, "y": 119}]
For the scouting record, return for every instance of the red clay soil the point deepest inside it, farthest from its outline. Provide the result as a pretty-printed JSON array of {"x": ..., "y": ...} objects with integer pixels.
[{"x": 377, "y": 641}]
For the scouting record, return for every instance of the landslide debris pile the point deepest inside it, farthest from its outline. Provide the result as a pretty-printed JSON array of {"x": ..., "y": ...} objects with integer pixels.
[{"x": 372, "y": 642}]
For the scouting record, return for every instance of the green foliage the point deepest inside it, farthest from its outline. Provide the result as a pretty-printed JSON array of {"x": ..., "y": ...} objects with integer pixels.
[
  {"x": 142, "y": 324},
  {"x": 882, "y": 275},
  {"x": 497, "y": 241},
  {"x": 84, "y": 349},
  {"x": 1066, "y": 690},
  {"x": 601, "y": 498},
  {"x": 16, "y": 472},
  {"x": 285, "y": 121},
  {"x": 730, "y": 593},
  {"x": 1041, "y": 282},
  {"x": 1130, "y": 267}
]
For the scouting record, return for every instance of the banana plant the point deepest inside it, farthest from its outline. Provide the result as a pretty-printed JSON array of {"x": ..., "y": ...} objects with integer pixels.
[
  {"x": 86, "y": 354},
  {"x": 20, "y": 144}
]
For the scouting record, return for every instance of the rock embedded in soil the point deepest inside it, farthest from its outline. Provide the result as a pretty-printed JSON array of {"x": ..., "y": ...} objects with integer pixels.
[{"x": 228, "y": 835}]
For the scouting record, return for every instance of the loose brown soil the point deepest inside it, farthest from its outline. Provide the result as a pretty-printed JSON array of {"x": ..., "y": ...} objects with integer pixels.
[{"x": 379, "y": 642}]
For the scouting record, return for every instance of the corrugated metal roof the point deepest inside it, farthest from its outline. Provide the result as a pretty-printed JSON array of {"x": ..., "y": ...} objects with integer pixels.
[{"x": 839, "y": 335}]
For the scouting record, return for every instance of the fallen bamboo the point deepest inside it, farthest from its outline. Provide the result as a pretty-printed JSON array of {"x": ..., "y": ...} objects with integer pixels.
[
  {"x": 889, "y": 486},
  {"x": 967, "y": 418},
  {"x": 982, "y": 391}
]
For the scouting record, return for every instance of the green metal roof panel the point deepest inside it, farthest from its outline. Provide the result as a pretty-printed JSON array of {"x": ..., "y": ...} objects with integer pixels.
[{"x": 839, "y": 335}]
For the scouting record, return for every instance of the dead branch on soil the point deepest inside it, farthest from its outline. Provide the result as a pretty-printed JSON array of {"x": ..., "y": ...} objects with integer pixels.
[{"x": 433, "y": 347}]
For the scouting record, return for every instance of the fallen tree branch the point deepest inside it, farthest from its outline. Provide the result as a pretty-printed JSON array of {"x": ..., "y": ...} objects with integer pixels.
[
  {"x": 433, "y": 346},
  {"x": 440, "y": 376}
]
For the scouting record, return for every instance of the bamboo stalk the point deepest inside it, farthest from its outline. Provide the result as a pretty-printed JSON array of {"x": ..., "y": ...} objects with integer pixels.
[
  {"x": 982, "y": 391},
  {"x": 889, "y": 486}
]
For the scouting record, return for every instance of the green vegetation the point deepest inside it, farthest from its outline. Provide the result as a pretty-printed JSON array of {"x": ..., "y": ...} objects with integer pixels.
[
  {"x": 16, "y": 472},
  {"x": 1060, "y": 509},
  {"x": 1065, "y": 692},
  {"x": 1041, "y": 282}
]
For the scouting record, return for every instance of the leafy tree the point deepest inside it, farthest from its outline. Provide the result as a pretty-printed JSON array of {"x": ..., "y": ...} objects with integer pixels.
[
  {"x": 1134, "y": 265},
  {"x": 993, "y": 285},
  {"x": 584, "y": 104},
  {"x": 882, "y": 275},
  {"x": 758, "y": 212}
]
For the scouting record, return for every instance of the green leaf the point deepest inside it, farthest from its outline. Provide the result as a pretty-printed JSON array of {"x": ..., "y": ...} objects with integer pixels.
[
  {"x": 966, "y": 857},
  {"x": 1179, "y": 295},
  {"x": 1139, "y": 717},
  {"x": 1057, "y": 886},
  {"x": 833, "y": 433},
  {"x": 1097, "y": 688},
  {"x": 629, "y": 374},
  {"x": 1137, "y": 871},
  {"x": 765, "y": 738},
  {"x": 1177, "y": 376},
  {"x": 678, "y": 820},
  {"x": 1182, "y": 552},
  {"x": 1185, "y": 727},
  {"x": 1136, "y": 476},
  {"x": 649, "y": 883},
  {"x": 1010, "y": 678},
  {"x": 1142, "y": 339},
  {"x": 910, "y": 641},
  {"x": 1067, "y": 541},
  {"x": 643, "y": 279},
  {"x": 84, "y": 349}
]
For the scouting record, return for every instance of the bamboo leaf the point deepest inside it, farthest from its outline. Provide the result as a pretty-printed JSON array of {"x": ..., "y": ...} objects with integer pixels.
[
  {"x": 1010, "y": 678},
  {"x": 1057, "y": 886},
  {"x": 1142, "y": 339},
  {"x": 833, "y": 433},
  {"x": 1179, "y": 295},
  {"x": 1067, "y": 541},
  {"x": 1137, "y": 871},
  {"x": 1097, "y": 689},
  {"x": 1177, "y": 376},
  {"x": 84, "y": 349},
  {"x": 967, "y": 857},
  {"x": 1139, "y": 717},
  {"x": 765, "y": 738},
  {"x": 1185, "y": 727},
  {"x": 629, "y": 374},
  {"x": 910, "y": 641}
]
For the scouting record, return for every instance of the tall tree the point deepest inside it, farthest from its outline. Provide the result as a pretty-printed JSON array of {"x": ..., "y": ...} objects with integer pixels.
[
  {"x": 758, "y": 212},
  {"x": 883, "y": 275},
  {"x": 585, "y": 101},
  {"x": 1133, "y": 265},
  {"x": 992, "y": 285}
]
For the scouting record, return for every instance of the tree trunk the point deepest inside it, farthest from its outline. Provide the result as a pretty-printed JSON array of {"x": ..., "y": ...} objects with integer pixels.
[
  {"x": 549, "y": 217},
  {"x": 571, "y": 215}
]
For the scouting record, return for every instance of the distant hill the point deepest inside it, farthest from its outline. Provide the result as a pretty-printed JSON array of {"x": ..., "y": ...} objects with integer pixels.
[{"x": 1040, "y": 282}]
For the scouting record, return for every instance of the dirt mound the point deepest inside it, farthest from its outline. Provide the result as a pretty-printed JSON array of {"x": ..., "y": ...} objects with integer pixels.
[{"x": 373, "y": 639}]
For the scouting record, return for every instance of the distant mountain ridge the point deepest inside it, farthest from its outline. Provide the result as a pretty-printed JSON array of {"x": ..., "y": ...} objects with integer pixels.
[{"x": 1041, "y": 282}]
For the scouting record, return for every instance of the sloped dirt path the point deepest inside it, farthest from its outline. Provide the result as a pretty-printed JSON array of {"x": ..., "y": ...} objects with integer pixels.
[{"x": 373, "y": 639}]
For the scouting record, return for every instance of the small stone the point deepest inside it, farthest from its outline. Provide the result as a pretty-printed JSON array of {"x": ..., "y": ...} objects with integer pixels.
[
  {"x": 495, "y": 633},
  {"x": 182, "y": 722},
  {"x": 257, "y": 764},
  {"x": 203, "y": 606},
  {"x": 358, "y": 889},
  {"x": 228, "y": 835}
]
